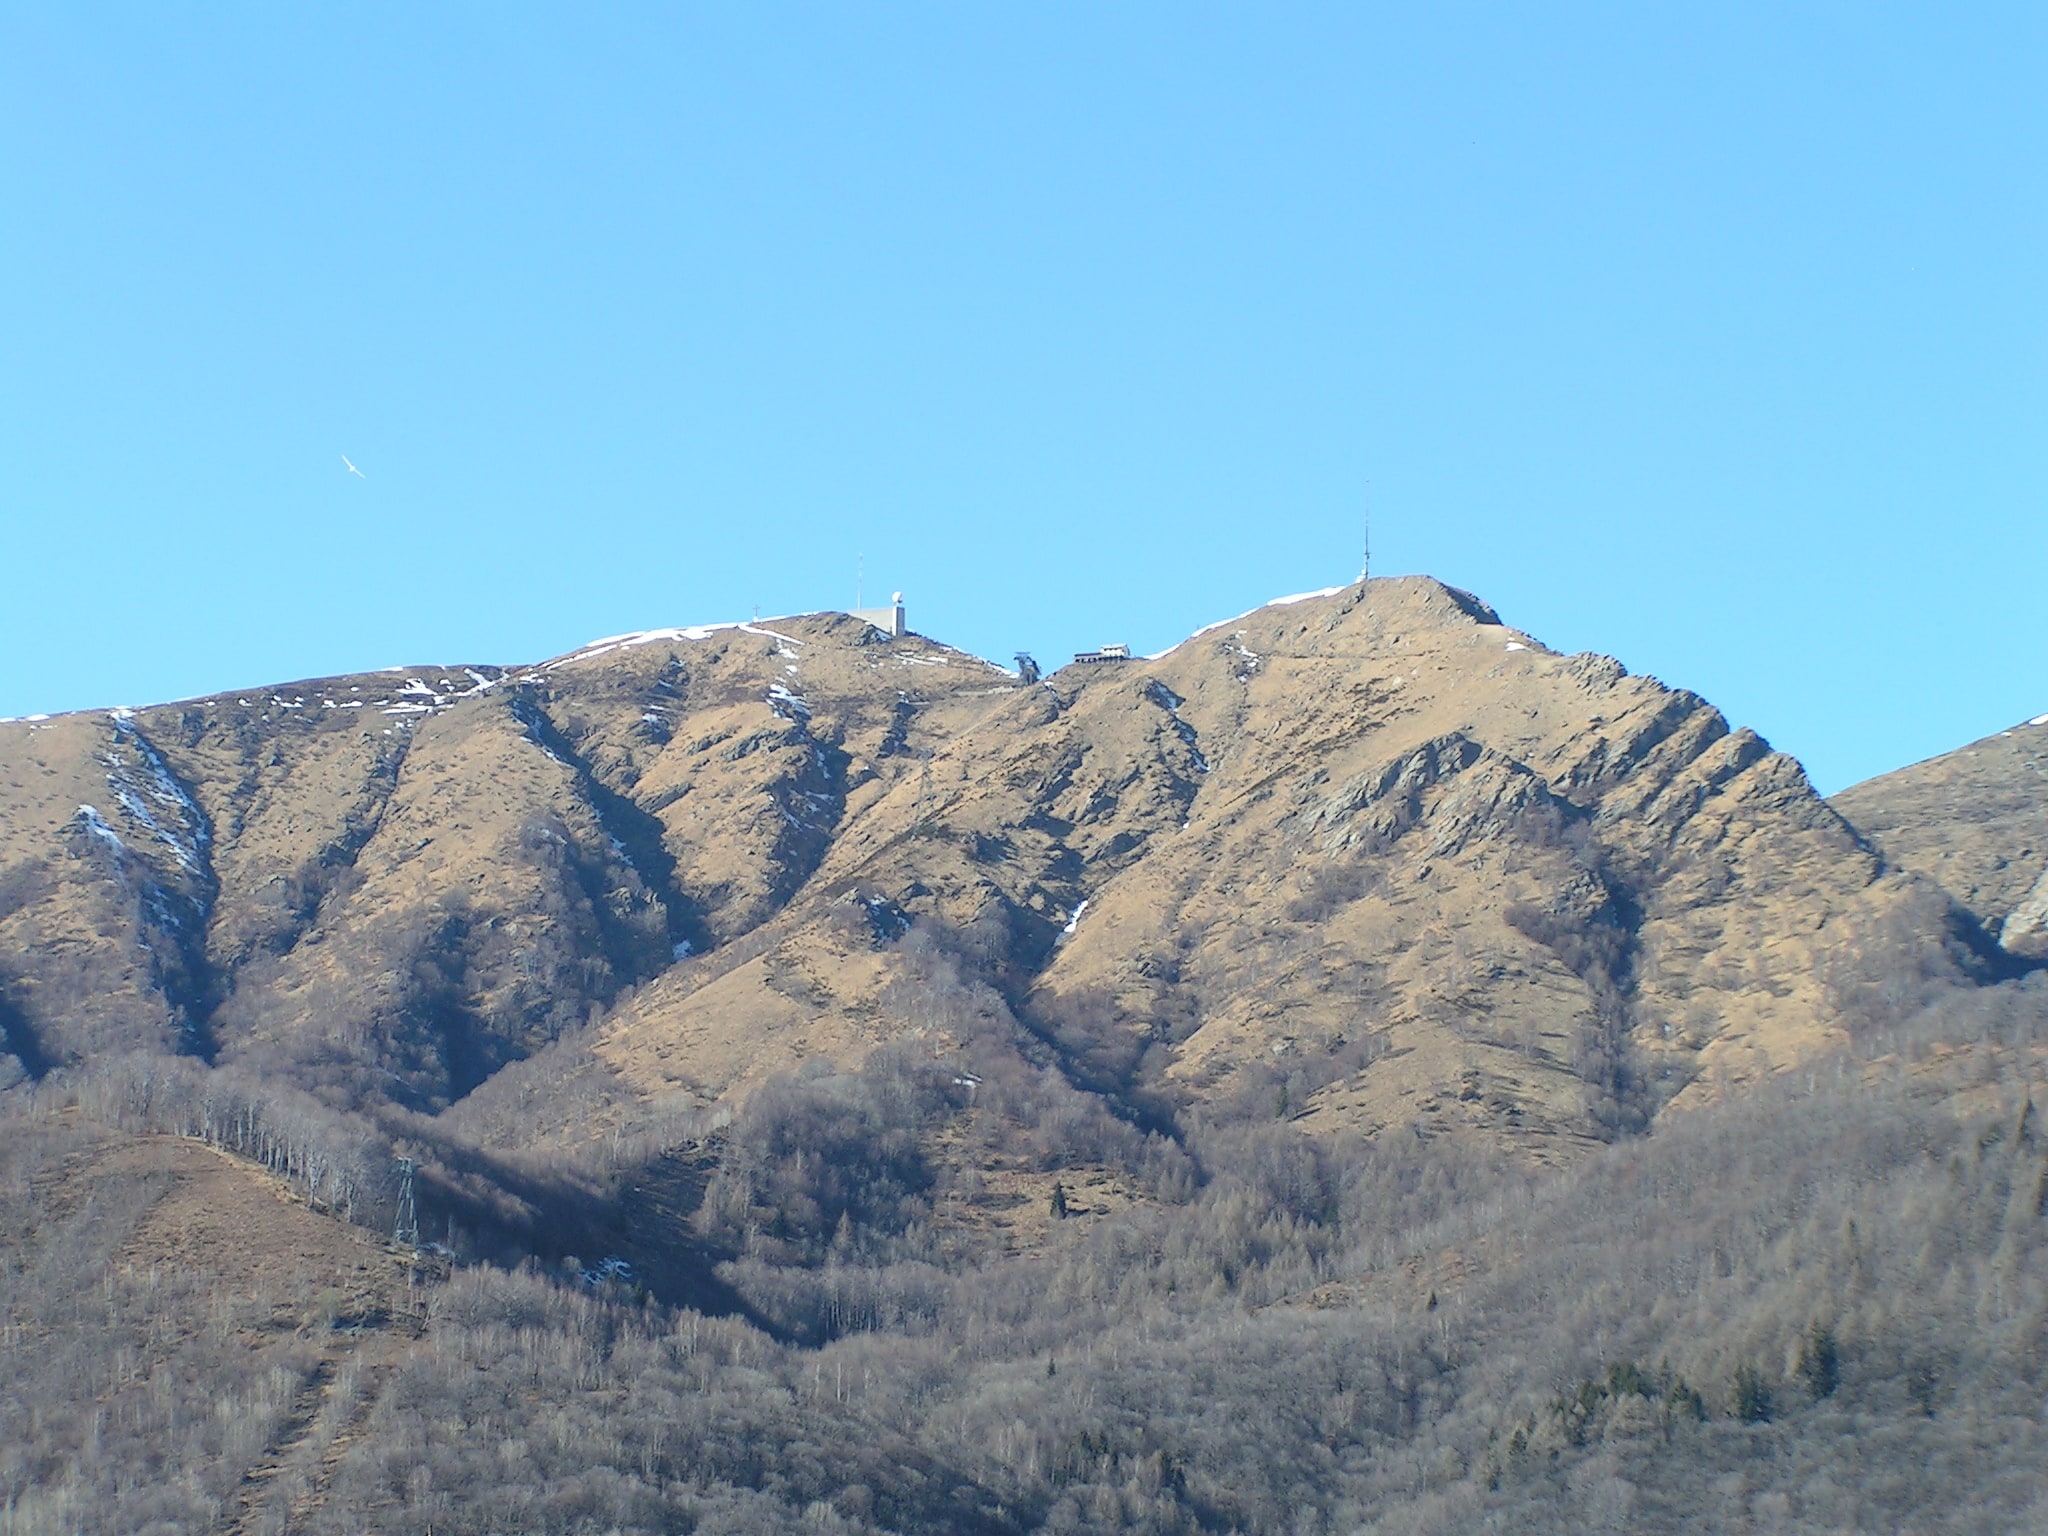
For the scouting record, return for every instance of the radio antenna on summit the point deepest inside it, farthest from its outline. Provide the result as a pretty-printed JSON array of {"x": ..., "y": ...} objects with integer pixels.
[{"x": 1365, "y": 564}]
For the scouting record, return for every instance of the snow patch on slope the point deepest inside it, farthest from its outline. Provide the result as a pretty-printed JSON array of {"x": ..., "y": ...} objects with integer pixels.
[
  {"x": 419, "y": 697},
  {"x": 1171, "y": 702},
  {"x": 1277, "y": 602},
  {"x": 187, "y": 841},
  {"x": 96, "y": 824},
  {"x": 610, "y": 643}
]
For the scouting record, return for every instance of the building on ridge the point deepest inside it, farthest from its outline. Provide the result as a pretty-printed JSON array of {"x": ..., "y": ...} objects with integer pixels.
[{"x": 888, "y": 620}]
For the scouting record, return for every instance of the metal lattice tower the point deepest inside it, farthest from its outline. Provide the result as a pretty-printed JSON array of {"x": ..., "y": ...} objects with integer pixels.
[
  {"x": 922, "y": 807},
  {"x": 406, "y": 1229},
  {"x": 1365, "y": 566}
]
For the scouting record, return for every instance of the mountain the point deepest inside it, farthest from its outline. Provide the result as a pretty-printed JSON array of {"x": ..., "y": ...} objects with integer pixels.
[
  {"x": 1370, "y": 851},
  {"x": 1976, "y": 821},
  {"x": 1359, "y": 1069}
]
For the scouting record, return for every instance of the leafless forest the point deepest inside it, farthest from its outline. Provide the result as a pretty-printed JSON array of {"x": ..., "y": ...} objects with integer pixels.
[{"x": 1817, "y": 1306}]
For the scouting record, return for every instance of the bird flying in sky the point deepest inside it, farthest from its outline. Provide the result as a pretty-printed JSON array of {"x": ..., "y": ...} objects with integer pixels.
[{"x": 353, "y": 470}]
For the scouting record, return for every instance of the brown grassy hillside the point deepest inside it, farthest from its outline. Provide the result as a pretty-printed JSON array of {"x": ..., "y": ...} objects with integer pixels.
[
  {"x": 1976, "y": 821},
  {"x": 1369, "y": 859}
]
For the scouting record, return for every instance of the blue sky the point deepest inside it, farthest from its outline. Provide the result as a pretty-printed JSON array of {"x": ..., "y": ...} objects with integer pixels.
[{"x": 1708, "y": 336}]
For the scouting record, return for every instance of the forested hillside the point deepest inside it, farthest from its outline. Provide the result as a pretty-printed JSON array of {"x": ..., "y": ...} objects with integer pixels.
[{"x": 1357, "y": 1071}]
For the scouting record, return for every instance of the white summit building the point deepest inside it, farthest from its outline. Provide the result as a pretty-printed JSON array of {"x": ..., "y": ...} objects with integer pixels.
[{"x": 888, "y": 620}]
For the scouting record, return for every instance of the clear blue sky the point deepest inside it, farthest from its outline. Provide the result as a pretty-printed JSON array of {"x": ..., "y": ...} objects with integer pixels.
[{"x": 1709, "y": 336}]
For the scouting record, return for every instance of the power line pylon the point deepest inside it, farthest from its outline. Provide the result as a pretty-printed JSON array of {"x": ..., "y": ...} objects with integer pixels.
[
  {"x": 406, "y": 1230},
  {"x": 921, "y": 810}
]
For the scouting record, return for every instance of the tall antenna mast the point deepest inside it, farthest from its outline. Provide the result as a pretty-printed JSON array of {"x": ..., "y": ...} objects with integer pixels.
[
  {"x": 860, "y": 571},
  {"x": 1365, "y": 566}
]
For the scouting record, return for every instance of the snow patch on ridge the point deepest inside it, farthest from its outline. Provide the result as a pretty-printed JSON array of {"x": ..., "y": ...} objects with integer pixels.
[
  {"x": 419, "y": 697},
  {"x": 1277, "y": 602},
  {"x": 610, "y": 643}
]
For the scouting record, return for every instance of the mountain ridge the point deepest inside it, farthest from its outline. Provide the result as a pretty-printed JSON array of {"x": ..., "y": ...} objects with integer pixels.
[{"x": 1464, "y": 825}]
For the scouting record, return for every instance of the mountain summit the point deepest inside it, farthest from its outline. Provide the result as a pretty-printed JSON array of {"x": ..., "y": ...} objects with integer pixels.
[{"x": 1368, "y": 859}]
